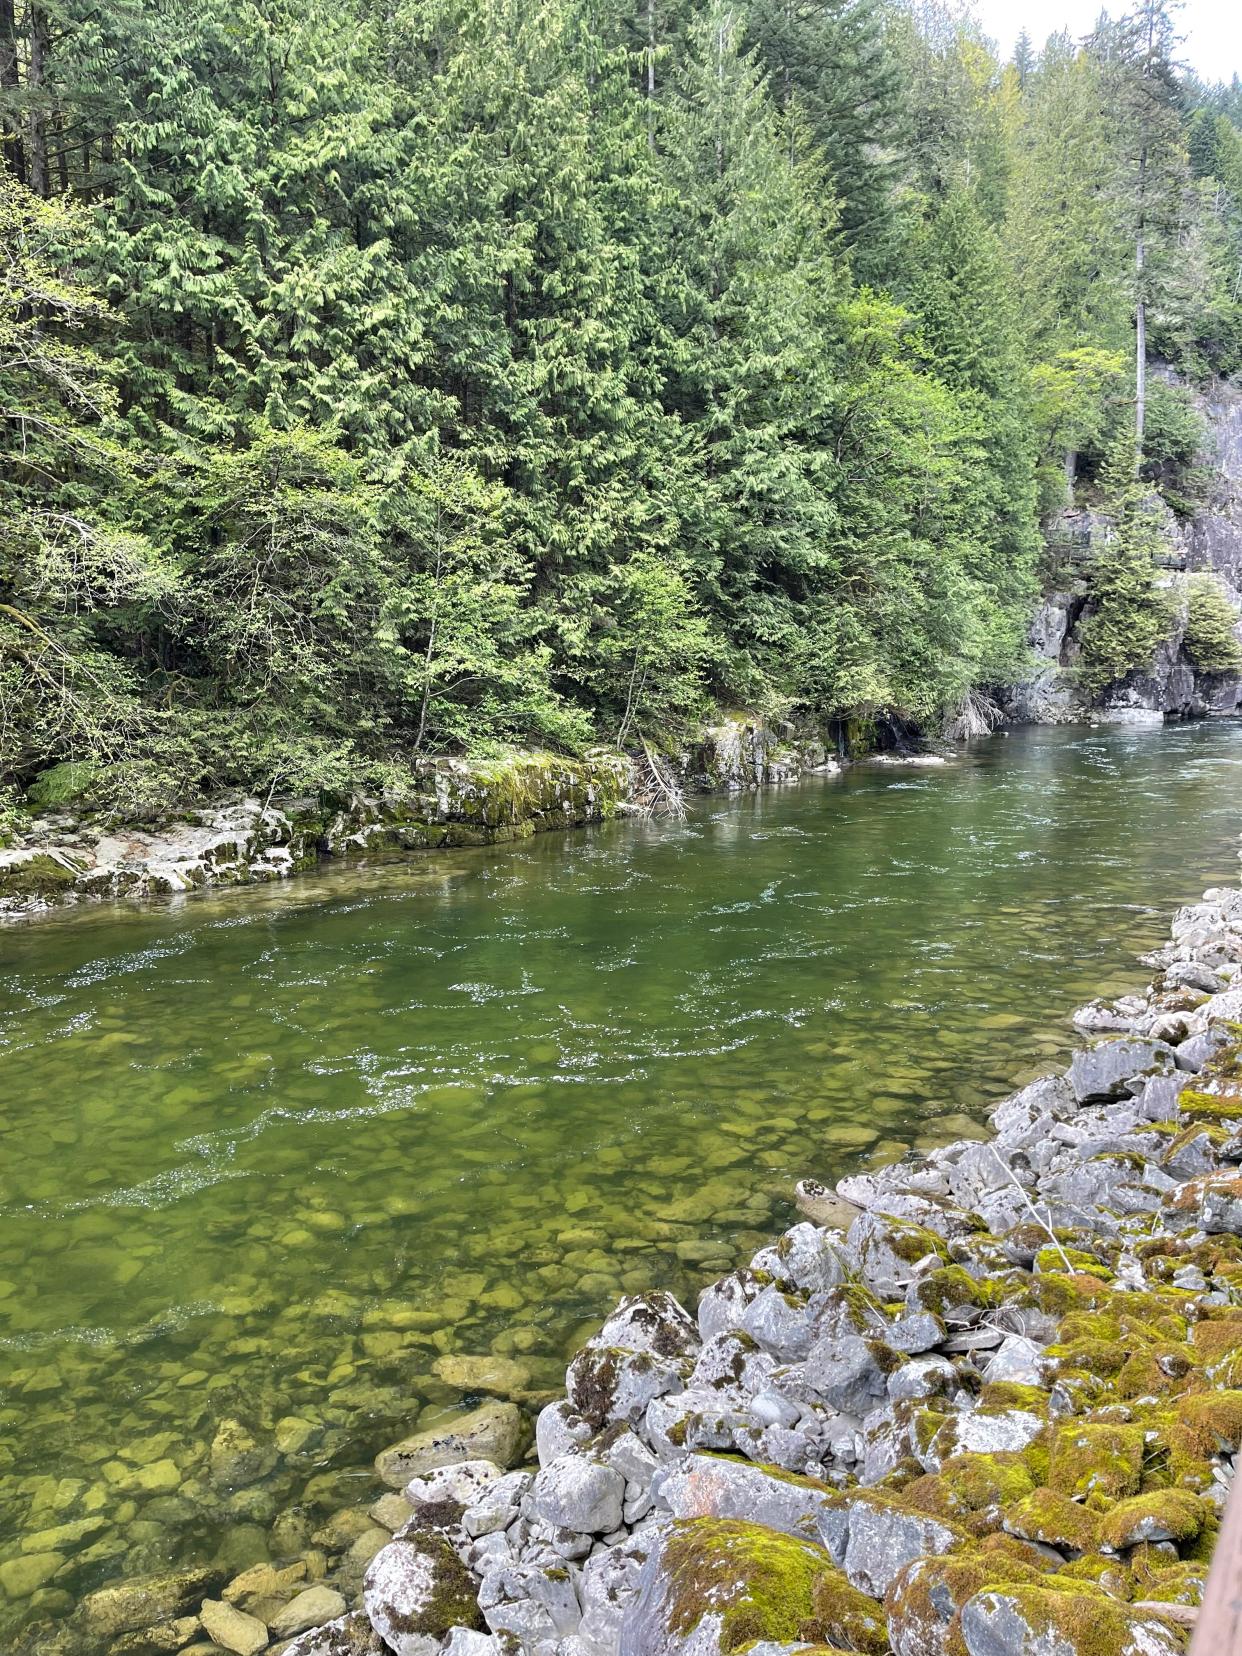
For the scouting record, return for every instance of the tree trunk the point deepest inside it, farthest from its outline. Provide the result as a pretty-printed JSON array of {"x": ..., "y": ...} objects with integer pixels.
[
  {"x": 36, "y": 123},
  {"x": 10, "y": 85},
  {"x": 651, "y": 40},
  {"x": 1140, "y": 317}
]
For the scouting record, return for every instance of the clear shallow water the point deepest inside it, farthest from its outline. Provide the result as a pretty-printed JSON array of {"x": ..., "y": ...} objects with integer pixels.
[{"x": 283, "y": 1155}]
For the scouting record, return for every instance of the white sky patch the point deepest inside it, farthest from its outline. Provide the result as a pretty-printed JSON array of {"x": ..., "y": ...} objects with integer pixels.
[{"x": 1213, "y": 28}]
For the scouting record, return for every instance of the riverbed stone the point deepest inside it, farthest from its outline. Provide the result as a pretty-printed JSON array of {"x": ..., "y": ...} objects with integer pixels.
[
  {"x": 492, "y": 1432},
  {"x": 313, "y": 1607},
  {"x": 233, "y": 1629},
  {"x": 126, "y": 1606},
  {"x": 415, "y": 1589},
  {"x": 236, "y": 1458}
]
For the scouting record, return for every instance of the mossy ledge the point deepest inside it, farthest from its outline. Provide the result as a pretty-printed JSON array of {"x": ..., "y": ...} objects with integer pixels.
[{"x": 66, "y": 852}]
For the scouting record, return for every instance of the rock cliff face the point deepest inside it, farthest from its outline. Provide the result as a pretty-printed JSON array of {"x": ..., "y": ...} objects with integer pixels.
[{"x": 1208, "y": 542}]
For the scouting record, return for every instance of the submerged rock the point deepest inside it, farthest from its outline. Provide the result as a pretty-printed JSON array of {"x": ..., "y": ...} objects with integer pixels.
[{"x": 493, "y": 1432}]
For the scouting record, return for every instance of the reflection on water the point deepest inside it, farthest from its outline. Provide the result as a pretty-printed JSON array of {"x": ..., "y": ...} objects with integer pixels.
[{"x": 274, "y": 1155}]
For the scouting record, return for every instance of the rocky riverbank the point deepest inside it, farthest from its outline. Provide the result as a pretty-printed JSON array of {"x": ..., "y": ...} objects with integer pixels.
[
  {"x": 69, "y": 855},
  {"x": 982, "y": 1400}
]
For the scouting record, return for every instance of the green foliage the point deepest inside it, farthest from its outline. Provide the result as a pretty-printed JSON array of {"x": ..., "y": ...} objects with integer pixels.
[
  {"x": 378, "y": 381},
  {"x": 1130, "y": 613},
  {"x": 1210, "y": 639}
]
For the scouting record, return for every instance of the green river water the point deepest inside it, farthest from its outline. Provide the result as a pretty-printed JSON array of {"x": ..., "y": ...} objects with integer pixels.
[{"x": 289, "y": 1155}]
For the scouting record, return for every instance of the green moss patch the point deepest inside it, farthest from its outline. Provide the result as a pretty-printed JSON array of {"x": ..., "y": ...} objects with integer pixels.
[
  {"x": 763, "y": 1585},
  {"x": 1054, "y": 1519},
  {"x": 1161, "y": 1515},
  {"x": 1099, "y": 1463}
]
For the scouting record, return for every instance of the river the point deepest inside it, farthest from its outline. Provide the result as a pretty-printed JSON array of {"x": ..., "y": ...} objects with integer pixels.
[{"x": 295, "y": 1155}]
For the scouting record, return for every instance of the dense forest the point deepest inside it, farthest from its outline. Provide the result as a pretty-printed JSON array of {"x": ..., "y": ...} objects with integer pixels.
[{"x": 389, "y": 377}]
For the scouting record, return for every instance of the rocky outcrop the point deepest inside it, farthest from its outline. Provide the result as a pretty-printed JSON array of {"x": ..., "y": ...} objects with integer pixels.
[
  {"x": 240, "y": 842},
  {"x": 741, "y": 752},
  {"x": 1209, "y": 541}
]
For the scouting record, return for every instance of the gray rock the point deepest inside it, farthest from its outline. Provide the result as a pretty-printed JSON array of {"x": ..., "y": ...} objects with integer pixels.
[
  {"x": 851, "y": 1374},
  {"x": 1192, "y": 974},
  {"x": 531, "y": 1601},
  {"x": 805, "y": 1257},
  {"x": 1220, "y": 1209},
  {"x": 609, "y": 1383},
  {"x": 627, "y": 1454},
  {"x": 723, "y": 1304},
  {"x": 916, "y": 1331},
  {"x": 497, "y": 1505},
  {"x": 1017, "y": 1359},
  {"x": 692, "y": 1420},
  {"x": 654, "y": 1322},
  {"x": 558, "y": 1429},
  {"x": 350, "y": 1635},
  {"x": 492, "y": 1432},
  {"x": 580, "y": 1494},
  {"x": 465, "y": 1641},
  {"x": 874, "y": 1540},
  {"x": 708, "y": 1486},
  {"x": 440, "y": 1497},
  {"x": 923, "y": 1377},
  {"x": 1024, "y": 1117},
  {"x": 888, "y": 1253},
  {"x": 414, "y": 1590},
  {"x": 1106, "y": 1070},
  {"x": 608, "y": 1587},
  {"x": 781, "y": 1323},
  {"x": 1194, "y": 1053},
  {"x": 984, "y": 1434},
  {"x": 730, "y": 1360}
]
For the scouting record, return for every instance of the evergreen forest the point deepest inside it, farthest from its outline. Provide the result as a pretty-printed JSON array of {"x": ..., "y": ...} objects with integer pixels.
[{"x": 387, "y": 378}]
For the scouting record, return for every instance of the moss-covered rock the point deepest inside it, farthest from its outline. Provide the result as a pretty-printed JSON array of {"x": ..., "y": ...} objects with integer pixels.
[
  {"x": 1160, "y": 1515},
  {"x": 1098, "y": 1463},
  {"x": 971, "y": 1490},
  {"x": 1027, "y": 1620},
  {"x": 725, "y": 1584},
  {"x": 1054, "y": 1519}
]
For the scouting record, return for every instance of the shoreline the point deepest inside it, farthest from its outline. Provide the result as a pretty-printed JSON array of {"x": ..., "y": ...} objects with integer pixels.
[
  {"x": 448, "y": 804},
  {"x": 998, "y": 1407}
]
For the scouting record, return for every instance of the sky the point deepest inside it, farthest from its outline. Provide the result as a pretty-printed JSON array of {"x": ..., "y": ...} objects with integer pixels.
[{"x": 1213, "y": 28}]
